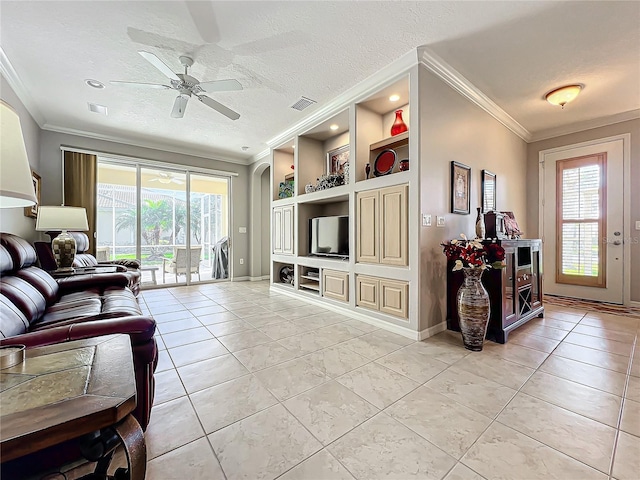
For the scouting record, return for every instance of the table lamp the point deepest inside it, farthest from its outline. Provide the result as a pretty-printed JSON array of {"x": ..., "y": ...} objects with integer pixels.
[
  {"x": 16, "y": 184},
  {"x": 62, "y": 218}
]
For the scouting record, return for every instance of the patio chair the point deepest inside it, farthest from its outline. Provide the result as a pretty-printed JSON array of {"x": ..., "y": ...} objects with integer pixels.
[
  {"x": 103, "y": 254},
  {"x": 178, "y": 264}
]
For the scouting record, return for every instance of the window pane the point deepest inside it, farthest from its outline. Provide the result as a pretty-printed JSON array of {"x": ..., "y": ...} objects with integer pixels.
[
  {"x": 580, "y": 193},
  {"x": 580, "y": 244}
]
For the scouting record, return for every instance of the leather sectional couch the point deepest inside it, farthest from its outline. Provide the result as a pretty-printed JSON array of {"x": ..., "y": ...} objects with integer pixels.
[
  {"x": 82, "y": 259},
  {"x": 35, "y": 310}
]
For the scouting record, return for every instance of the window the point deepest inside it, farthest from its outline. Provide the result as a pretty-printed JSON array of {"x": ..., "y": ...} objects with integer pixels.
[{"x": 581, "y": 220}]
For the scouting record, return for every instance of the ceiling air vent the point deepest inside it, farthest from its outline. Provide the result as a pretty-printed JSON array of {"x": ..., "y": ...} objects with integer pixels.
[
  {"x": 303, "y": 103},
  {"x": 95, "y": 108}
]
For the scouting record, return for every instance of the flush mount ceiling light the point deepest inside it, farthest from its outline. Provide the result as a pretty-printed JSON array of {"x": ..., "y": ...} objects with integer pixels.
[
  {"x": 94, "y": 83},
  {"x": 394, "y": 98},
  {"x": 333, "y": 127},
  {"x": 563, "y": 95}
]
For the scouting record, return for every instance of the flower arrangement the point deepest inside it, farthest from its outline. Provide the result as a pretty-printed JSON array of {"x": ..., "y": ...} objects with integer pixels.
[{"x": 473, "y": 254}]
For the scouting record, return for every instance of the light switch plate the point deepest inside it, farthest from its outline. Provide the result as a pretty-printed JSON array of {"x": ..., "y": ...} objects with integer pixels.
[
  {"x": 439, "y": 221},
  {"x": 242, "y": 230},
  {"x": 637, "y": 224},
  {"x": 426, "y": 220}
]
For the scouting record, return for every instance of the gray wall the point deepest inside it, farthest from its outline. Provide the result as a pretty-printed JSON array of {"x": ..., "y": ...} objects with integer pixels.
[
  {"x": 265, "y": 221},
  {"x": 453, "y": 128},
  {"x": 632, "y": 127},
  {"x": 51, "y": 170},
  {"x": 13, "y": 220}
]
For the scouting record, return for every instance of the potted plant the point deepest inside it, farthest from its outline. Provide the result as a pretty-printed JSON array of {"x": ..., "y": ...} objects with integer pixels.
[{"x": 473, "y": 258}]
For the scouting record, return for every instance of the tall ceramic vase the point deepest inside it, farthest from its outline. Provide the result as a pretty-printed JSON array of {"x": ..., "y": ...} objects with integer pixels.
[{"x": 473, "y": 309}]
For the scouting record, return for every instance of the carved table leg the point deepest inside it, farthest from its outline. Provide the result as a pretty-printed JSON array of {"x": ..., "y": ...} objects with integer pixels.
[{"x": 132, "y": 438}]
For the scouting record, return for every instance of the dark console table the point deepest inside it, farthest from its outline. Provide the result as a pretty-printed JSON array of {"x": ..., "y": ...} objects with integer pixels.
[{"x": 515, "y": 292}]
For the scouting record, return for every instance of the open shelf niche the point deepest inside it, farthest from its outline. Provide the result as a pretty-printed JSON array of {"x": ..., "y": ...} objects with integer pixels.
[
  {"x": 277, "y": 266},
  {"x": 309, "y": 279},
  {"x": 283, "y": 159},
  {"x": 314, "y": 145},
  {"x": 307, "y": 211},
  {"x": 374, "y": 117}
]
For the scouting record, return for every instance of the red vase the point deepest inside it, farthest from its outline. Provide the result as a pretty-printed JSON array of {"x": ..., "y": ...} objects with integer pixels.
[{"x": 398, "y": 126}]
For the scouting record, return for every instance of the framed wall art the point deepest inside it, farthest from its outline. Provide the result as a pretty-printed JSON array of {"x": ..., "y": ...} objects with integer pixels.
[
  {"x": 460, "y": 188},
  {"x": 488, "y": 191},
  {"x": 32, "y": 211},
  {"x": 336, "y": 160}
]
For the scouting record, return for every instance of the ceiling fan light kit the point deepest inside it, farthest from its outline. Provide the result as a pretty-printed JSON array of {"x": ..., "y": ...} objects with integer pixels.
[
  {"x": 187, "y": 86},
  {"x": 563, "y": 95}
]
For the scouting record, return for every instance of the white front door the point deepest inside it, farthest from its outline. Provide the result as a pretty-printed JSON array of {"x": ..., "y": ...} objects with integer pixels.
[{"x": 582, "y": 196}]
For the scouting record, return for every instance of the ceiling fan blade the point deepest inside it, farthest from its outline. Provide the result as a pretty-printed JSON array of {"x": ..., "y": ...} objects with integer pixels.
[
  {"x": 226, "y": 111},
  {"x": 179, "y": 106},
  {"x": 139, "y": 84},
  {"x": 221, "y": 85},
  {"x": 159, "y": 64}
]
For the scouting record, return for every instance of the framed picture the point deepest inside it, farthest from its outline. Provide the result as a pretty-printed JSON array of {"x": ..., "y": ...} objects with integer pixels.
[
  {"x": 336, "y": 159},
  {"x": 32, "y": 211},
  {"x": 488, "y": 191},
  {"x": 460, "y": 188}
]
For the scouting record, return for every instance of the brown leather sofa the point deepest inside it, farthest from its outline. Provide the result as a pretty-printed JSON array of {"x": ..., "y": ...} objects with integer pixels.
[
  {"x": 84, "y": 259},
  {"x": 35, "y": 310}
]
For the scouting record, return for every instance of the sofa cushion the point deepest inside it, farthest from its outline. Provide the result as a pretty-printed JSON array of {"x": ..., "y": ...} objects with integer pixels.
[
  {"x": 6, "y": 262},
  {"x": 42, "y": 281},
  {"x": 21, "y": 251},
  {"x": 25, "y": 296},
  {"x": 84, "y": 260},
  {"x": 12, "y": 320}
]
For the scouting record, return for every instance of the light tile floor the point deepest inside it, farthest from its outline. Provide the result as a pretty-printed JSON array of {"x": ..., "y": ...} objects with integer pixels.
[{"x": 255, "y": 385}]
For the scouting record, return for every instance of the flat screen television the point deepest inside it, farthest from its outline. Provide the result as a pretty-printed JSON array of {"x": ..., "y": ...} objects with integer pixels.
[{"x": 329, "y": 236}]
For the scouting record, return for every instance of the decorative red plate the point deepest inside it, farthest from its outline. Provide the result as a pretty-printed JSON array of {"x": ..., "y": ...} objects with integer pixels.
[{"x": 384, "y": 163}]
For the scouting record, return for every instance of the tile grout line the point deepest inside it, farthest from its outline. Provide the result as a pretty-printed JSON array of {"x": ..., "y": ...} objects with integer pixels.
[{"x": 622, "y": 404}]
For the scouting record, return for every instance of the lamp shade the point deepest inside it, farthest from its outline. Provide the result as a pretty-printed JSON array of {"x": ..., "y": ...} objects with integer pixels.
[
  {"x": 62, "y": 218},
  {"x": 16, "y": 185}
]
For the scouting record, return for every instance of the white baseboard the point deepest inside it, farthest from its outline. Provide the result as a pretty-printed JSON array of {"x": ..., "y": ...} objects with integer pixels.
[
  {"x": 259, "y": 279},
  {"x": 246, "y": 278},
  {"x": 633, "y": 303},
  {"x": 431, "y": 331}
]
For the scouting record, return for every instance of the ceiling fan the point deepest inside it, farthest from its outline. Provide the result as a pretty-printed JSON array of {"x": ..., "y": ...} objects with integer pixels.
[
  {"x": 165, "y": 177},
  {"x": 187, "y": 86}
]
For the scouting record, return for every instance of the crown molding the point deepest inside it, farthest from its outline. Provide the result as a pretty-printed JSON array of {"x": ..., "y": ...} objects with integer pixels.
[
  {"x": 381, "y": 78},
  {"x": 586, "y": 125},
  {"x": 163, "y": 148},
  {"x": 8, "y": 72},
  {"x": 259, "y": 156},
  {"x": 464, "y": 87}
]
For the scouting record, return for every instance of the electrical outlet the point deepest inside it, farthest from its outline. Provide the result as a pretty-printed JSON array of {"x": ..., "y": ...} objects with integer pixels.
[
  {"x": 426, "y": 220},
  {"x": 242, "y": 230},
  {"x": 439, "y": 221},
  {"x": 242, "y": 261},
  {"x": 637, "y": 224}
]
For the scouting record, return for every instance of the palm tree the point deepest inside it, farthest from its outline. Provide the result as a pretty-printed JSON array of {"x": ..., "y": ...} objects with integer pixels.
[{"x": 156, "y": 218}]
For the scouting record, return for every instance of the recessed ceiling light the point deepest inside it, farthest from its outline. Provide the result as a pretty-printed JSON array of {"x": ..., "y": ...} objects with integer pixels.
[
  {"x": 394, "y": 98},
  {"x": 333, "y": 127},
  {"x": 293, "y": 146},
  {"x": 95, "y": 108},
  {"x": 94, "y": 83}
]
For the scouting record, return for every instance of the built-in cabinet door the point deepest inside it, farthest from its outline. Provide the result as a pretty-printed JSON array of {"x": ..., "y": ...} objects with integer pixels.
[
  {"x": 367, "y": 292},
  {"x": 367, "y": 217},
  {"x": 276, "y": 228},
  {"x": 335, "y": 285},
  {"x": 393, "y": 225},
  {"x": 287, "y": 230},
  {"x": 394, "y": 297}
]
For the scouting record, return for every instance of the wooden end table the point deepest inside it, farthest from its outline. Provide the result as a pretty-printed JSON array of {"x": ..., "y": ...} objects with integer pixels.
[{"x": 69, "y": 390}]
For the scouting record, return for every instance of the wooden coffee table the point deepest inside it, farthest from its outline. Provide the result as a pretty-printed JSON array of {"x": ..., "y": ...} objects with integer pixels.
[{"x": 64, "y": 391}]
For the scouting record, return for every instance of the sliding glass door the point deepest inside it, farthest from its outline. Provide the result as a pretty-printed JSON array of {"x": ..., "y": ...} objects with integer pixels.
[{"x": 176, "y": 222}]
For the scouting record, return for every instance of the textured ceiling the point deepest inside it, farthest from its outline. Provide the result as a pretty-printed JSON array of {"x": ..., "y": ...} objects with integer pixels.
[{"x": 513, "y": 51}]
